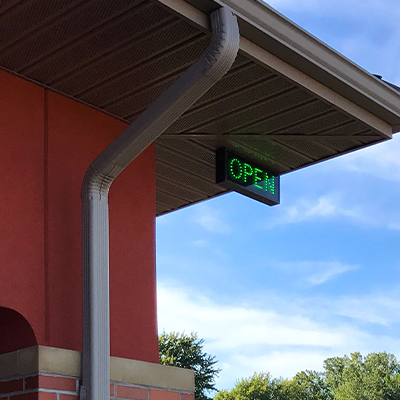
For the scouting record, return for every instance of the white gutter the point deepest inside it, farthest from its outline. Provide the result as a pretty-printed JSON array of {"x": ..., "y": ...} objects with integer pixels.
[
  {"x": 262, "y": 26},
  {"x": 164, "y": 111},
  {"x": 261, "y": 23}
]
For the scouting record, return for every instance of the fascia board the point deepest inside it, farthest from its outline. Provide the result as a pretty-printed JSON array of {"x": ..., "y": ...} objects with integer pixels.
[
  {"x": 315, "y": 87},
  {"x": 265, "y": 27}
]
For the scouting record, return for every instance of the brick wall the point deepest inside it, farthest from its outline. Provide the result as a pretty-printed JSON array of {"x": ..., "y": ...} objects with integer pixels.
[{"x": 57, "y": 387}]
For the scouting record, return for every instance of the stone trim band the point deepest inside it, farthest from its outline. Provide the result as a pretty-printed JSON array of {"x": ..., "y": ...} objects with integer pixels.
[{"x": 55, "y": 361}]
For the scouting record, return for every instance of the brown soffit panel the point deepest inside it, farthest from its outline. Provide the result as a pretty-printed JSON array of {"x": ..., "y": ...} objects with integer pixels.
[
  {"x": 119, "y": 56},
  {"x": 263, "y": 26}
]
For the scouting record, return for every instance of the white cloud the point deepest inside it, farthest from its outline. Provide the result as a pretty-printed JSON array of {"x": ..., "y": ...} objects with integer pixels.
[
  {"x": 249, "y": 338},
  {"x": 382, "y": 161},
  {"x": 180, "y": 309},
  {"x": 334, "y": 207},
  {"x": 284, "y": 363},
  {"x": 211, "y": 219},
  {"x": 200, "y": 243},
  {"x": 376, "y": 308},
  {"x": 325, "y": 207},
  {"x": 328, "y": 270},
  {"x": 314, "y": 273}
]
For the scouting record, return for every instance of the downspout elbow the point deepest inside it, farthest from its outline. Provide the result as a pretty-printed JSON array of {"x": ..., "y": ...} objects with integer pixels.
[
  {"x": 185, "y": 91},
  {"x": 96, "y": 183}
]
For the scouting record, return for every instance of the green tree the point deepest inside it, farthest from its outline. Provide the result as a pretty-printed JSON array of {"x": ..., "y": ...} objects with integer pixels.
[
  {"x": 260, "y": 386},
  {"x": 308, "y": 385},
  {"x": 375, "y": 377},
  {"x": 312, "y": 386},
  {"x": 334, "y": 368},
  {"x": 186, "y": 351}
]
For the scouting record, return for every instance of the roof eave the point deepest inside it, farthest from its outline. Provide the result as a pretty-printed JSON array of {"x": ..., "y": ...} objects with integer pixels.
[{"x": 270, "y": 30}]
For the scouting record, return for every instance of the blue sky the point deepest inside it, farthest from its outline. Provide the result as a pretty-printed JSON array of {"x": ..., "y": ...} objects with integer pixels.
[{"x": 281, "y": 288}]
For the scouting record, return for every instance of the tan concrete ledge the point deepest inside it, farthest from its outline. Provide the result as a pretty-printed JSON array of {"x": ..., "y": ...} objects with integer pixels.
[{"x": 68, "y": 362}]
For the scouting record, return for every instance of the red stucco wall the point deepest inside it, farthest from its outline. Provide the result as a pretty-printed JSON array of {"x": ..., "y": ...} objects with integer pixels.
[
  {"x": 47, "y": 142},
  {"x": 21, "y": 200}
]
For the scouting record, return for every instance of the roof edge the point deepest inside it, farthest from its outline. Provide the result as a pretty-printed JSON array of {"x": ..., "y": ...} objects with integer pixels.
[
  {"x": 267, "y": 28},
  {"x": 318, "y": 89},
  {"x": 379, "y": 98}
]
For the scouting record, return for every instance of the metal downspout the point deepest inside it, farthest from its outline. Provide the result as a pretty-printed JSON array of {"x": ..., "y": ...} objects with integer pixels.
[{"x": 183, "y": 93}]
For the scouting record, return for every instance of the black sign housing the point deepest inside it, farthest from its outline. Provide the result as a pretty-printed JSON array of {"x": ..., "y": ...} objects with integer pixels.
[{"x": 247, "y": 177}]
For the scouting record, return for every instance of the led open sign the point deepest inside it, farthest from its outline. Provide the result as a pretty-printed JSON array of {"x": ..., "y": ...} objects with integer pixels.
[{"x": 247, "y": 177}]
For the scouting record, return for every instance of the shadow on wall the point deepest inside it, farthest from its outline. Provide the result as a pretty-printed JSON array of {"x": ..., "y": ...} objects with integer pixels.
[{"x": 15, "y": 331}]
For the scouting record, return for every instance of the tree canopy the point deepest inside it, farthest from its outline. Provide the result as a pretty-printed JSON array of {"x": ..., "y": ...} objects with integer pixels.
[
  {"x": 306, "y": 385},
  {"x": 354, "y": 377},
  {"x": 375, "y": 377},
  {"x": 261, "y": 386},
  {"x": 186, "y": 351}
]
